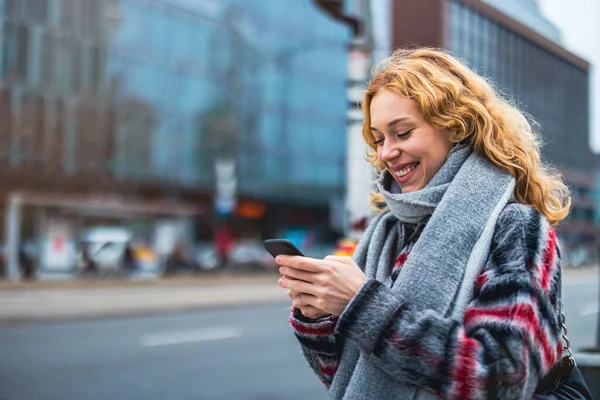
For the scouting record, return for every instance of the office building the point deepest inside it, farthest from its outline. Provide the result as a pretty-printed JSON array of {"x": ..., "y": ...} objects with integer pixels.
[
  {"x": 513, "y": 45},
  {"x": 137, "y": 112}
]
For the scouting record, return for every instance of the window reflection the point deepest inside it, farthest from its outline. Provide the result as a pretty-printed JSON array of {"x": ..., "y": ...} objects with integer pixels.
[
  {"x": 551, "y": 89},
  {"x": 133, "y": 89}
]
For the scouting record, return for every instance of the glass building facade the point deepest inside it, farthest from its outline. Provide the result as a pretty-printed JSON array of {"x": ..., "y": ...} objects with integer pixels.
[
  {"x": 157, "y": 91},
  {"x": 550, "y": 88}
]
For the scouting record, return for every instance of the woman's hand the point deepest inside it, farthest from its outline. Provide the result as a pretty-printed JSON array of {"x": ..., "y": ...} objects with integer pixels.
[
  {"x": 306, "y": 309},
  {"x": 326, "y": 285}
]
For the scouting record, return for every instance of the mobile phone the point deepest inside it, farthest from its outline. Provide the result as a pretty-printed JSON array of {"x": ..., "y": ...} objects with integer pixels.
[{"x": 276, "y": 247}]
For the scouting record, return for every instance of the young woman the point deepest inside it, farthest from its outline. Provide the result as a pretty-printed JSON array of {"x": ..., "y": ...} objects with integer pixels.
[{"x": 454, "y": 289}]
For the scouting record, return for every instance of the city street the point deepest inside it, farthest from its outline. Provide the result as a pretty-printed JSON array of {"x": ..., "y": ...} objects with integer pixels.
[{"x": 242, "y": 353}]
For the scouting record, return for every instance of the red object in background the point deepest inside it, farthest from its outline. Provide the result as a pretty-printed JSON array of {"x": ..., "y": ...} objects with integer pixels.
[
  {"x": 360, "y": 224},
  {"x": 58, "y": 244},
  {"x": 224, "y": 239}
]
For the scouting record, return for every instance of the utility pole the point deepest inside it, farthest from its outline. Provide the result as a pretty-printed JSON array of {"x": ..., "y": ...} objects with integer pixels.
[{"x": 359, "y": 173}]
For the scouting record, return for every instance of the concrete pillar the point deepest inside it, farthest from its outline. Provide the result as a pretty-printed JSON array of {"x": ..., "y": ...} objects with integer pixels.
[
  {"x": 360, "y": 175},
  {"x": 12, "y": 235}
]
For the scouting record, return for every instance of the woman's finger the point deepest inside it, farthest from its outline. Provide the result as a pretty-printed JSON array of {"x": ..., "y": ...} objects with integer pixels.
[
  {"x": 304, "y": 300},
  {"x": 292, "y": 294},
  {"x": 341, "y": 259},
  {"x": 312, "y": 312},
  {"x": 297, "y": 285},
  {"x": 304, "y": 263},
  {"x": 298, "y": 274}
]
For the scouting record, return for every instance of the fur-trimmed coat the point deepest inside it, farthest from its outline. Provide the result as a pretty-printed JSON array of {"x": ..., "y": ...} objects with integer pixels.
[{"x": 510, "y": 334}]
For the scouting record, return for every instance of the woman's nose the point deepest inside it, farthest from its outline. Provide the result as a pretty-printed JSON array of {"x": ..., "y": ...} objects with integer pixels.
[{"x": 390, "y": 151}]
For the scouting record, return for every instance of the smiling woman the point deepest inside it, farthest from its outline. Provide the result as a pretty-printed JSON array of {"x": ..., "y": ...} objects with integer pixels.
[
  {"x": 407, "y": 146},
  {"x": 454, "y": 289}
]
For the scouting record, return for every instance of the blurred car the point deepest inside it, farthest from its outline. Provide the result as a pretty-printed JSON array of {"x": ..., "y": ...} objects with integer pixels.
[
  {"x": 145, "y": 258},
  {"x": 245, "y": 254},
  {"x": 250, "y": 255},
  {"x": 112, "y": 250},
  {"x": 206, "y": 257}
]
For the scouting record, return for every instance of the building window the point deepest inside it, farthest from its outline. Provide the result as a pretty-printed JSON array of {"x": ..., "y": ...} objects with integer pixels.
[
  {"x": 6, "y": 124},
  {"x": 455, "y": 43},
  {"x": 47, "y": 62},
  {"x": 57, "y": 146},
  {"x": 493, "y": 50},
  {"x": 69, "y": 15},
  {"x": 31, "y": 128},
  {"x": 36, "y": 11},
  {"x": 15, "y": 51}
]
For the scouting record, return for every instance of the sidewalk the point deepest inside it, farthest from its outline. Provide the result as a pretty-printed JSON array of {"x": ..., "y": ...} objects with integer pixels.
[
  {"x": 193, "y": 280},
  {"x": 68, "y": 300}
]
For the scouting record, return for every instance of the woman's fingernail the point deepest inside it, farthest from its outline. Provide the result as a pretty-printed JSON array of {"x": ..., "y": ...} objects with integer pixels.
[
  {"x": 280, "y": 281},
  {"x": 278, "y": 260},
  {"x": 281, "y": 270}
]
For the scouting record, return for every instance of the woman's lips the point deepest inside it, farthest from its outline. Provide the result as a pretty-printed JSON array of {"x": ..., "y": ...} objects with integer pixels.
[{"x": 404, "y": 174}]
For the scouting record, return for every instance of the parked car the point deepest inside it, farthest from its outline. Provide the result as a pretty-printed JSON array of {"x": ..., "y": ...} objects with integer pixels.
[
  {"x": 251, "y": 255},
  {"x": 206, "y": 258},
  {"x": 244, "y": 255},
  {"x": 111, "y": 250}
]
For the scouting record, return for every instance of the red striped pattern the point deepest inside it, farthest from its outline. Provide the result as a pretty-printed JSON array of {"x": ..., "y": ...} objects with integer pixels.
[
  {"x": 415, "y": 348},
  {"x": 322, "y": 328},
  {"x": 548, "y": 260},
  {"x": 480, "y": 281},
  {"x": 464, "y": 373},
  {"x": 401, "y": 259},
  {"x": 328, "y": 369},
  {"x": 522, "y": 315}
]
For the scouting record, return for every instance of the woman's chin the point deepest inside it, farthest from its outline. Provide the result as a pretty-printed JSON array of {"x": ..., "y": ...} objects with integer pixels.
[
  {"x": 411, "y": 186},
  {"x": 408, "y": 188}
]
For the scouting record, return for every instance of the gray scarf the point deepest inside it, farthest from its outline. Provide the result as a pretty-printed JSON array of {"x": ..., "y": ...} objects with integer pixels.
[{"x": 464, "y": 200}]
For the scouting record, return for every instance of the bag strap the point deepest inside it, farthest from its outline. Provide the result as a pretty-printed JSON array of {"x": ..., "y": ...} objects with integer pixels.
[{"x": 567, "y": 343}]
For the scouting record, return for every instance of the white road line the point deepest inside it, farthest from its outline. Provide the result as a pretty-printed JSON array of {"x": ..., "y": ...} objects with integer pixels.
[
  {"x": 181, "y": 337},
  {"x": 590, "y": 310}
]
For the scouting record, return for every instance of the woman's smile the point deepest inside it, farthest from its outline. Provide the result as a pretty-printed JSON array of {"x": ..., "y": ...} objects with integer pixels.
[{"x": 404, "y": 173}]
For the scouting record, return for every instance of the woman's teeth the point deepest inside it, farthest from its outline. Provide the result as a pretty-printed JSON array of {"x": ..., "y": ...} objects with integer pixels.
[{"x": 405, "y": 171}]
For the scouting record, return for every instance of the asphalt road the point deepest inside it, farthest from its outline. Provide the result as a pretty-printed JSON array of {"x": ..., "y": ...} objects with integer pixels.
[{"x": 247, "y": 353}]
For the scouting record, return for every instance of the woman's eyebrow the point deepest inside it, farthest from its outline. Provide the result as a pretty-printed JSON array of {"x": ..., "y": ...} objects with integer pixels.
[{"x": 392, "y": 123}]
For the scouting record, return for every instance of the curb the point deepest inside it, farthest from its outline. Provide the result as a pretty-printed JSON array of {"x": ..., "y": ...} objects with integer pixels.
[
  {"x": 208, "y": 280},
  {"x": 137, "y": 313}
]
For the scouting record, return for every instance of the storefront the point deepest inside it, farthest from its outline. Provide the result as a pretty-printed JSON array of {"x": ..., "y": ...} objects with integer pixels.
[{"x": 50, "y": 228}]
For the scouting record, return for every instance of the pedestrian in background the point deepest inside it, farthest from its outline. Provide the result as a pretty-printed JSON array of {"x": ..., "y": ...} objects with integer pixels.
[{"x": 454, "y": 290}]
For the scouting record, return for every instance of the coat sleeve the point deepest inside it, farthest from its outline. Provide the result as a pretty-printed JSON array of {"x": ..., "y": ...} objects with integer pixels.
[
  {"x": 320, "y": 344},
  {"x": 510, "y": 334}
]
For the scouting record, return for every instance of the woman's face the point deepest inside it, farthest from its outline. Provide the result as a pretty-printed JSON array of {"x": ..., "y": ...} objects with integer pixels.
[{"x": 410, "y": 148}]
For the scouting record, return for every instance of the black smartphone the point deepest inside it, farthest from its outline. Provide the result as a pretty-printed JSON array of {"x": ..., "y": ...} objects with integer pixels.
[{"x": 276, "y": 247}]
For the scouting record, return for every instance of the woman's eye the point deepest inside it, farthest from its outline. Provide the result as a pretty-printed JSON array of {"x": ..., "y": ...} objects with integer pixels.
[
  {"x": 405, "y": 134},
  {"x": 377, "y": 142}
]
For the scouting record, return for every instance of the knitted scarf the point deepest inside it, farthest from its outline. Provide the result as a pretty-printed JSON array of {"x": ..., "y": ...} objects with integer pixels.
[{"x": 464, "y": 200}]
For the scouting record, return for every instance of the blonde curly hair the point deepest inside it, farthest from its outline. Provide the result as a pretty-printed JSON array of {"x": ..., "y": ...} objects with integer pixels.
[{"x": 453, "y": 97}]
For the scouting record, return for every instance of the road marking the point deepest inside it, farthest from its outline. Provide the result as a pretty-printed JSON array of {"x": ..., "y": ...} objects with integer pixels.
[
  {"x": 591, "y": 309},
  {"x": 181, "y": 337}
]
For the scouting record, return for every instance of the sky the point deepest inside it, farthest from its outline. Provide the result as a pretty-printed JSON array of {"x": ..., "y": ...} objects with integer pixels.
[{"x": 580, "y": 34}]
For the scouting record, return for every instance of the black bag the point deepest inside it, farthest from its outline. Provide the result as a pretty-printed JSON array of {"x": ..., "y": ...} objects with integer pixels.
[{"x": 564, "y": 381}]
